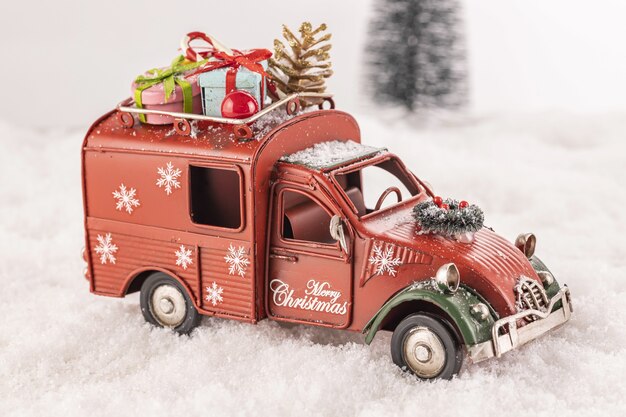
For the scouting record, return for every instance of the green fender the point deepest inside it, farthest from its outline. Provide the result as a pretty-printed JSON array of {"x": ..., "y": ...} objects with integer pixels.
[
  {"x": 457, "y": 306},
  {"x": 551, "y": 291}
]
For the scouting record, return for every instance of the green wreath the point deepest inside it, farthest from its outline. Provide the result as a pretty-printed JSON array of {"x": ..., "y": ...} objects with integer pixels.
[{"x": 448, "y": 217}]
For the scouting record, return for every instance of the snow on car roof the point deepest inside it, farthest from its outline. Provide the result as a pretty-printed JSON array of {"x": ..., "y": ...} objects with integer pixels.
[{"x": 325, "y": 155}]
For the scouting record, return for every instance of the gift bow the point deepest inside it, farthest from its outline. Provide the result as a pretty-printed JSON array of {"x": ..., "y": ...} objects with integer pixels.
[
  {"x": 249, "y": 59},
  {"x": 223, "y": 56},
  {"x": 192, "y": 55},
  {"x": 170, "y": 77}
]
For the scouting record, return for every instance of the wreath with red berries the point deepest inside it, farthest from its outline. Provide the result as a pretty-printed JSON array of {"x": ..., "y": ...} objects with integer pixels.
[{"x": 448, "y": 217}]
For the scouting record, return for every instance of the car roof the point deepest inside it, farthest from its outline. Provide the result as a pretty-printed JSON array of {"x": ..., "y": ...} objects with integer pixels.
[
  {"x": 209, "y": 140},
  {"x": 329, "y": 155}
]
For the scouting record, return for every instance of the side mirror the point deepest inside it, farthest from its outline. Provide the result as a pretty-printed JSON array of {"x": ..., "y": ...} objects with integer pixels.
[{"x": 337, "y": 233}]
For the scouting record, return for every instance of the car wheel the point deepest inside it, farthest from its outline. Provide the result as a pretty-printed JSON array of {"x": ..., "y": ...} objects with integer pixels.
[
  {"x": 426, "y": 347},
  {"x": 165, "y": 303}
]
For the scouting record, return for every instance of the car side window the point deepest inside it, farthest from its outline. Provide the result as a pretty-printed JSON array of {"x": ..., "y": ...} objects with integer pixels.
[
  {"x": 304, "y": 219},
  {"x": 215, "y": 195}
]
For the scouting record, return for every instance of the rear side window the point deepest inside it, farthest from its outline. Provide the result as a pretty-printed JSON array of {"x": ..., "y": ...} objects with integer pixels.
[{"x": 216, "y": 197}]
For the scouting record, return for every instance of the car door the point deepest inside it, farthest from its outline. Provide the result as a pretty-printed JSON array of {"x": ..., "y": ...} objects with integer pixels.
[{"x": 310, "y": 276}]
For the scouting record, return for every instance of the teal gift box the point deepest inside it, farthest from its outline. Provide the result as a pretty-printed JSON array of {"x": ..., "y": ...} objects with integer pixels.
[{"x": 214, "y": 87}]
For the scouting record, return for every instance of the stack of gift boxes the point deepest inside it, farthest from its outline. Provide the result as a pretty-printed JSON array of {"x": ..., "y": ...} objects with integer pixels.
[{"x": 215, "y": 81}]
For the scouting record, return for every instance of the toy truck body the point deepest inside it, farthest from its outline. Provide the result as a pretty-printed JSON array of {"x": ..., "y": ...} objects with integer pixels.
[{"x": 283, "y": 226}]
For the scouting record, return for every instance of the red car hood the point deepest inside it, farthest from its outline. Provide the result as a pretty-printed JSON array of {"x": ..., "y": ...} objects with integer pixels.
[{"x": 490, "y": 264}]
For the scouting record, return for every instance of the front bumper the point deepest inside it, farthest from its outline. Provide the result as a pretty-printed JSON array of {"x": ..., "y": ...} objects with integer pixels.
[{"x": 517, "y": 336}]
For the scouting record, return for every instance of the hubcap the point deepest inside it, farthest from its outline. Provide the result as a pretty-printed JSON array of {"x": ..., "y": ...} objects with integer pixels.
[
  {"x": 424, "y": 352},
  {"x": 167, "y": 305}
]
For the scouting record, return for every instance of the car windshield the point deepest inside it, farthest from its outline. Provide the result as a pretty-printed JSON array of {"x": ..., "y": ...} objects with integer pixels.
[{"x": 365, "y": 186}]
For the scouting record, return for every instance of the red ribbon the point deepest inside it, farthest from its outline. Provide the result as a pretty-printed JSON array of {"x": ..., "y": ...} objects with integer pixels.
[
  {"x": 192, "y": 55},
  {"x": 225, "y": 57},
  {"x": 249, "y": 59}
]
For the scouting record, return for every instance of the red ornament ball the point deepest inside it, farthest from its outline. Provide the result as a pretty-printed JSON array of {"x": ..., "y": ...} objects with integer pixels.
[
  {"x": 463, "y": 204},
  {"x": 239, "y": 105},
  {"x": 438, "y": 201},
  {"x": 445, "y": 206}
]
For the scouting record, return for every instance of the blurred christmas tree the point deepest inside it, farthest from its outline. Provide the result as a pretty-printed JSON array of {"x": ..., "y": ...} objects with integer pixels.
[{"x": 416, "y": 55}]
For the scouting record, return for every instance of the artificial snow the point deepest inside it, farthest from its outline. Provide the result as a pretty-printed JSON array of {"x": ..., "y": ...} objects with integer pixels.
[
  {"x": 263, "y": 125},
  {"x": 66, "y": 352},
  {"x": 329, "y": 154}
]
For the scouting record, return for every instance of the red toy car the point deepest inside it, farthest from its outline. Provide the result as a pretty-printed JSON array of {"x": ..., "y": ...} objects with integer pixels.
[{"x": 283, "y": 221}]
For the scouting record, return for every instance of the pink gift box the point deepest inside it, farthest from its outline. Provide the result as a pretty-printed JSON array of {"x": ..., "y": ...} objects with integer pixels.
[{"x": 153, "y": 98}]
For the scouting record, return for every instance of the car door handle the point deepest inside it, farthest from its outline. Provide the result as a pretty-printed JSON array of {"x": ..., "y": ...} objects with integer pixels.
[{"x": 284, "y": 256}]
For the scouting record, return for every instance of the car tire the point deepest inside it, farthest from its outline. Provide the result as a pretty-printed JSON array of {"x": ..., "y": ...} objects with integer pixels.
[
  {"x": 165, "y": 303},
  {"x": 426, "y": 347}
]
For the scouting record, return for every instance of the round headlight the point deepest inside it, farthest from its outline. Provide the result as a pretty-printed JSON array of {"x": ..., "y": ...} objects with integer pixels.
[
  {"x": 448, "y": 278},
  {"x": 546, "y": 278},
  {"x": 479, "y": 311},
  {"x": 526, "y": 243}
]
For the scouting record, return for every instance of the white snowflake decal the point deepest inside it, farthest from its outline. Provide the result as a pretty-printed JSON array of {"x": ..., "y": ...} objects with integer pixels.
[
  {"x": 237, "y": 260},
  {"x": 126, "y": 199},
  {"x": 106, "y": 249},
  {"x": 169, "y": 178},
  {"x": 183, "y": 257},
  {"x": 384, "y": 261},
  {"x": 214, "y": 294}
]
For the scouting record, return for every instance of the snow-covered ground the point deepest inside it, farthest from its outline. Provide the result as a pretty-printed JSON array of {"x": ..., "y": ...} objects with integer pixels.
[{"x": 65, "y": 352}]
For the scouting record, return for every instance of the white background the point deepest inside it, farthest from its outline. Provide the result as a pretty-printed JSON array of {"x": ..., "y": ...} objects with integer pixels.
[{"x": 66, "y": 62}]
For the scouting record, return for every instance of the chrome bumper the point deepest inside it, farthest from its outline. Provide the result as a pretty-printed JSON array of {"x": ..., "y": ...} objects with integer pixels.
[{"x": 515, "y": 337}]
